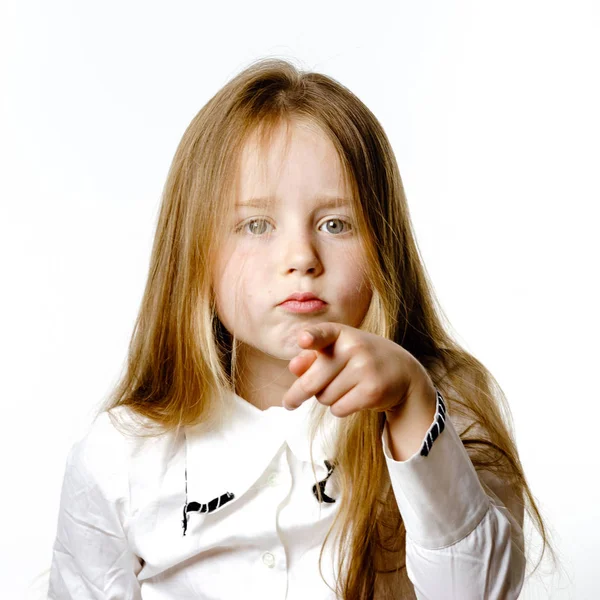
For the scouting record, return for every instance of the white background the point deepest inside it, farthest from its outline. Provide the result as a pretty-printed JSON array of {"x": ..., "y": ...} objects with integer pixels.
[{"x": 493, "y": 111}]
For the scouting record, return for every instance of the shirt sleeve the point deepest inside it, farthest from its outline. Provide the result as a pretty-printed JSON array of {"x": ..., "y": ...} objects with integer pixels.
[
  {"x": 462, "y": 542},
  {"x": 90, "y": 557}
]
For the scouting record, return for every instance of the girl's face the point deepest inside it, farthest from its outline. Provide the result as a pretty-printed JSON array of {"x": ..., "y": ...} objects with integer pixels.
[{"x": 299, "y": 244}]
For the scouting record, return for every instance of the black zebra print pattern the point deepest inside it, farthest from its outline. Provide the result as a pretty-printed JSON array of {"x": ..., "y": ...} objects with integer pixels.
[
  {"x": 438, "y": 425},
  {"x": 211, "y": 506},
  {"x": 324, "y": 496},
  {"x": 206, "y": 508}
]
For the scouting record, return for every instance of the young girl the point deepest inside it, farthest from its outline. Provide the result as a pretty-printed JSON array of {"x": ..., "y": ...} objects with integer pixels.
[{"x": 295, "y": 421}]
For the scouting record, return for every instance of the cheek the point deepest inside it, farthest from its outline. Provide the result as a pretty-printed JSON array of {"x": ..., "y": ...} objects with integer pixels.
[
  {"x": 230, "y": 303},
  {"x": 250, "y": 269},
  {"x": 237, "y": 279},
  {"x": 356, "y": 293},
  {"x": 351, "y": 274}
]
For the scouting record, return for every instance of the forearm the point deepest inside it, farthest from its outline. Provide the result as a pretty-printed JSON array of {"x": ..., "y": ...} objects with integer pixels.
[
  {"x": 461, "y": 543},
  {"x": 408, "y": 423}
]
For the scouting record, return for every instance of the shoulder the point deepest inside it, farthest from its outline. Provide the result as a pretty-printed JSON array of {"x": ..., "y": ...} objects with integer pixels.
[{"x": 101, "y": 456}]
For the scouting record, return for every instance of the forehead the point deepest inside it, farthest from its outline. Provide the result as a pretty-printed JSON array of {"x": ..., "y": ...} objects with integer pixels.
[{"x": 296, "y": 161}]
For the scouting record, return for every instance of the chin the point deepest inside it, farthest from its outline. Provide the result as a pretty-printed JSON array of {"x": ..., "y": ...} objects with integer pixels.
[
  {"x": 279, "y": 349},
  {"x": 285, "y": 352}
]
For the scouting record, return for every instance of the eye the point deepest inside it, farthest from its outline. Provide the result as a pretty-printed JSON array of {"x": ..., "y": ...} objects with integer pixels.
[
  {"x": 338, "y": 227},
  {"x": 249, "y": 226},
  {"x": 252, "y": 229}
]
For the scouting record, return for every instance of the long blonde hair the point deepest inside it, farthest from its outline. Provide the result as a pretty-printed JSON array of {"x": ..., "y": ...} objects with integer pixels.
[{"x": 182, "y": 360}]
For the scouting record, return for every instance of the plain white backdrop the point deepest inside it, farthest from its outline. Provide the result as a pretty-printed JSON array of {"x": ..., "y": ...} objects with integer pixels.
[{"x": 493, "y": 112}]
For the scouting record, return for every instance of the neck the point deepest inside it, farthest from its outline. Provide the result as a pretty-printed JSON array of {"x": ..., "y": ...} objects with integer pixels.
[{"x": 263, "y": 379}]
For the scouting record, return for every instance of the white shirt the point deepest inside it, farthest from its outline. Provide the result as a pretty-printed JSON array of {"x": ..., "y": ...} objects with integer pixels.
[{"x": 120, "y": 532}]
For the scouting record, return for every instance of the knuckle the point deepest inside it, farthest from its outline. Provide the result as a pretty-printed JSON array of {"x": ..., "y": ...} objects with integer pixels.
[
  {"x": 373, "y": 390},
  {"x": 306, "y": 385},
  {"x": 362, "y": 365},
  {"x": 355, "y": 348}
]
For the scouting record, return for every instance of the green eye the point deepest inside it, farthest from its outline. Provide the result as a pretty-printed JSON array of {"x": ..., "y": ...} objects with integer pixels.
[
  {"x": 244, "y": 226},
  {"x": 339, "y": 221},
  {"x": 251, "y": 228}
]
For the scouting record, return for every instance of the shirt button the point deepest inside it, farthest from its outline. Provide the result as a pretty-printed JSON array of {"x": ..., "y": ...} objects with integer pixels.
[
  {"x": 272, "y": 480},
  {"x": 268, "y": 559}
]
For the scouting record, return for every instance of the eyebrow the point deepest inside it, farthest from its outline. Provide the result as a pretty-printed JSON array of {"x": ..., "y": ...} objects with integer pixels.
[{"x": 324, "y": 202}]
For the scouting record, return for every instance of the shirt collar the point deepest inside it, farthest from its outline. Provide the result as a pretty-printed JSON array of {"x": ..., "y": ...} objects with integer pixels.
[{"x": 232, "y": 455}]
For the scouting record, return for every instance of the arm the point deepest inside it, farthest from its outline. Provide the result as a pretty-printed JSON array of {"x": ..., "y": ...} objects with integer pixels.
[
  {"x": 461, "y": 541},
  {"x": 91, "y": 558}
]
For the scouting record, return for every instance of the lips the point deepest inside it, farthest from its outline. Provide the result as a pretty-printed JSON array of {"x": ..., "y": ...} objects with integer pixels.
[
  {"x": 311, "y": 305},
  {"x": 302, "y": 297}
]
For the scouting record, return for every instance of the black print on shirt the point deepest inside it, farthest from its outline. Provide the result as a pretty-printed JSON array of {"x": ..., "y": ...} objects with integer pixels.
[
  {"x": 437, "y": 427},
  {"x": 324, "y": 496},
  {"x": 205, "y": 508},
  {"x": 213, "y": 505}
]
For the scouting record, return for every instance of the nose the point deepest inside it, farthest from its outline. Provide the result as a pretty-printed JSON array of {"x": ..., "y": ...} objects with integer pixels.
[{"x": 300, "y": 254}]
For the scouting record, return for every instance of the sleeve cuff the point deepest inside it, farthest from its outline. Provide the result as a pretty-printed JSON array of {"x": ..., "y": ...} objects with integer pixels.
[{"x": 437, "y": 489}]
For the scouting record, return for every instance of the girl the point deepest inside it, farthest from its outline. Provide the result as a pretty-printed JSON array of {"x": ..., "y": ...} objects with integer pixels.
[{"x": 294, "y": 420}]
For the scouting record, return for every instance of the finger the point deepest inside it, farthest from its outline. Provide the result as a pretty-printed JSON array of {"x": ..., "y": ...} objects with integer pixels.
[
  {"x": 337, "y": 389},
  {"x": 299, "y": 364},
  {"x": 320, "y": 336},
  {"x": 352, "y": 401},
  {"x": 320, "y": 374}
]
